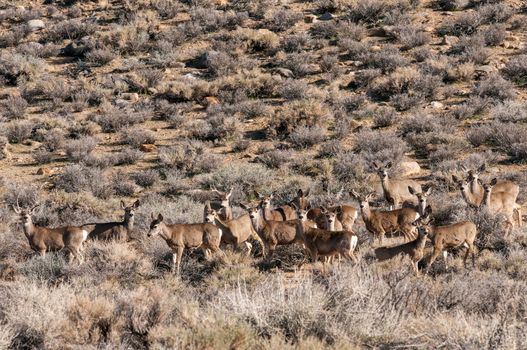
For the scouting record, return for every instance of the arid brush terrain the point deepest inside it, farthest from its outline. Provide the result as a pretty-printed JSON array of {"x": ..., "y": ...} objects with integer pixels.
[{"x": 163, "y": 101}]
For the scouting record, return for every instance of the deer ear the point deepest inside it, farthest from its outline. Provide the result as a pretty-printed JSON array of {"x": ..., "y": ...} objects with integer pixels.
[
  {"x": 388, "y": 165},
  {"x": 207, "y": 205},
  {"x": 428, "y": 191},
  {"x": 137, "y": 204},
  {"x": 482, "y": 168},
  {"x": 411, "y": 190},
  {"x": 160, "y": 217},
  {"x": 375, "y": 165},
  {"x": 300, "y": 193},
  {"x": 494, "y": 181},
  {"x": 123, "y": 205},
  {"x": 338, "y": 210},
  {"x": 258, "y": 195},
  {"x": 152, "y": 216},
  {"x": 323, "y": 210},
  {"x": 244, "y": 206},
  {"x": 480, "y": 182},
  {"x": 455, "y": 179},
  {"x": 307, "y": 192},
  {"x": 230, "y": 193},
  {"x": 294, "y": 206}
]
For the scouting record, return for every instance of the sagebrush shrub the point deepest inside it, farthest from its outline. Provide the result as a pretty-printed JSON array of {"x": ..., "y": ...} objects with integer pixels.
[{"x": 516, "y": 70}]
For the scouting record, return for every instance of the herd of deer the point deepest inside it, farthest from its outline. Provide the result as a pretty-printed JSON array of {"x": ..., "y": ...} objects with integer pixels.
[{"x": 323, "y": 232}]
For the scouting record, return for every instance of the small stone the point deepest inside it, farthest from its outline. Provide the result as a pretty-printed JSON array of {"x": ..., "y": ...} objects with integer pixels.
[
  {"x": 428, "y": 29},
  {"x": 130, "y": 96},
  {"x": 437, "y": 105},
  {"x": 45, "y": 171},
  {"x": 310, "y": 19},
  {"x": 36, "y": 24},
  {"x": 326, "y": 17},
  {"x": 211, "y": 101},
  {"x": 375, "y": 48},
  {"x": 148, "y": 148}
]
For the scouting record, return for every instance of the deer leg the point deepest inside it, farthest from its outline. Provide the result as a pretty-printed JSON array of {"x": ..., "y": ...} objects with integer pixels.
[
  {"x": 435, "y": 254},
  {"x": 249, "y": 247},
  {"x": 415, "y": 267},
  {"x": 519, "y": 217}
]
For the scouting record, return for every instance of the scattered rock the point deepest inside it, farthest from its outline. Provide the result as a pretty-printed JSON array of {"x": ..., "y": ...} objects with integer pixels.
[
  {"x": 388, "y": 31},
  {"x": 310, "y": 19},
  {"x": 450, "y": 40},
  {"x": 409, "y": 168},
  {"x": 326, "y": 17},
  {"x": 36, "y": 24},
  {"x": 512, "y": 42},
  {"x": 484, "y": 71},
  {"x": 130, "y": 96},
  {"x": 211, "y": 101},
  {"x": 375, "y": 48},
  {"x": 428, "y": 29},
  {"x": 148, "y": 148},
  {"x": 152, "y": 91},
  {"x": 437, "y": 105}
]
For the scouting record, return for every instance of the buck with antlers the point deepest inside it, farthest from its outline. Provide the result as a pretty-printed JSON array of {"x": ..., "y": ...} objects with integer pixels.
[
  {"x": 222, "y": 206},
  {"x": 380, "y": 222},
  {"x": 449, "y": 236},
  {"x": 185, "y": 236},
  {"x": 497, "y": 202},
  {"x": 233, "y": 232},
  {"x": 396, "y": 191},
  {"x": 44, "y": 239},
  {"x": 120, "y": 230}
]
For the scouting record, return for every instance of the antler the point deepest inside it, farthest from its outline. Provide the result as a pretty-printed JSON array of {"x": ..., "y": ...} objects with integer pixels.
[
  {"x": 17, "y": 208},
  {"x": 213, "y": 189}
]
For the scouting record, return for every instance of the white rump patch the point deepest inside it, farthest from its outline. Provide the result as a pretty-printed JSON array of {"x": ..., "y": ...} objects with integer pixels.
[
  {"x": 465, "y": 245},
  {"x": 445, "y": 255},
  {"x": 84, "y": 235},
  {"x": 221, "y": 233},
  {"x": 417, "y": 216},
  {"x": 356, "y": 215},
  {"x": 354, "y": 241}
]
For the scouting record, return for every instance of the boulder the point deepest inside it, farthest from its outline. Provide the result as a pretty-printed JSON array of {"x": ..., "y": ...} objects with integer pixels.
[
  {"x": 437, "y": 105},
  {"x": 409, "y": 168},
  {"x": 450, "y": 40},
  {"x": 36, "y": 24}
]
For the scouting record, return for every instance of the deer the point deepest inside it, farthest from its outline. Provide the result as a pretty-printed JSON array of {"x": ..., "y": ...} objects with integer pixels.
[
  {"x": 272, "y": 232},
  {"x": 44, "y": 239},
  {"x": 234, "y": 232},
  {"x": 395, "y": 191},
  {"x": 344, "y": 218},
  {"x": 186, "y": 236},
  {"x": 285, "y": 212},
  {"x": 413, "y": 249},
  {"x": 477, "y": 190},
  {"x": 380, "y": 222},
  {"x": 449, "y": 236},
  {"x": 223, "y": 206},
  {"x": 421, "y": 200},
  {"x": 324, "y": 242},
  {"x": 497, "y": 202},
  {"x": 114, "y": 230}
]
